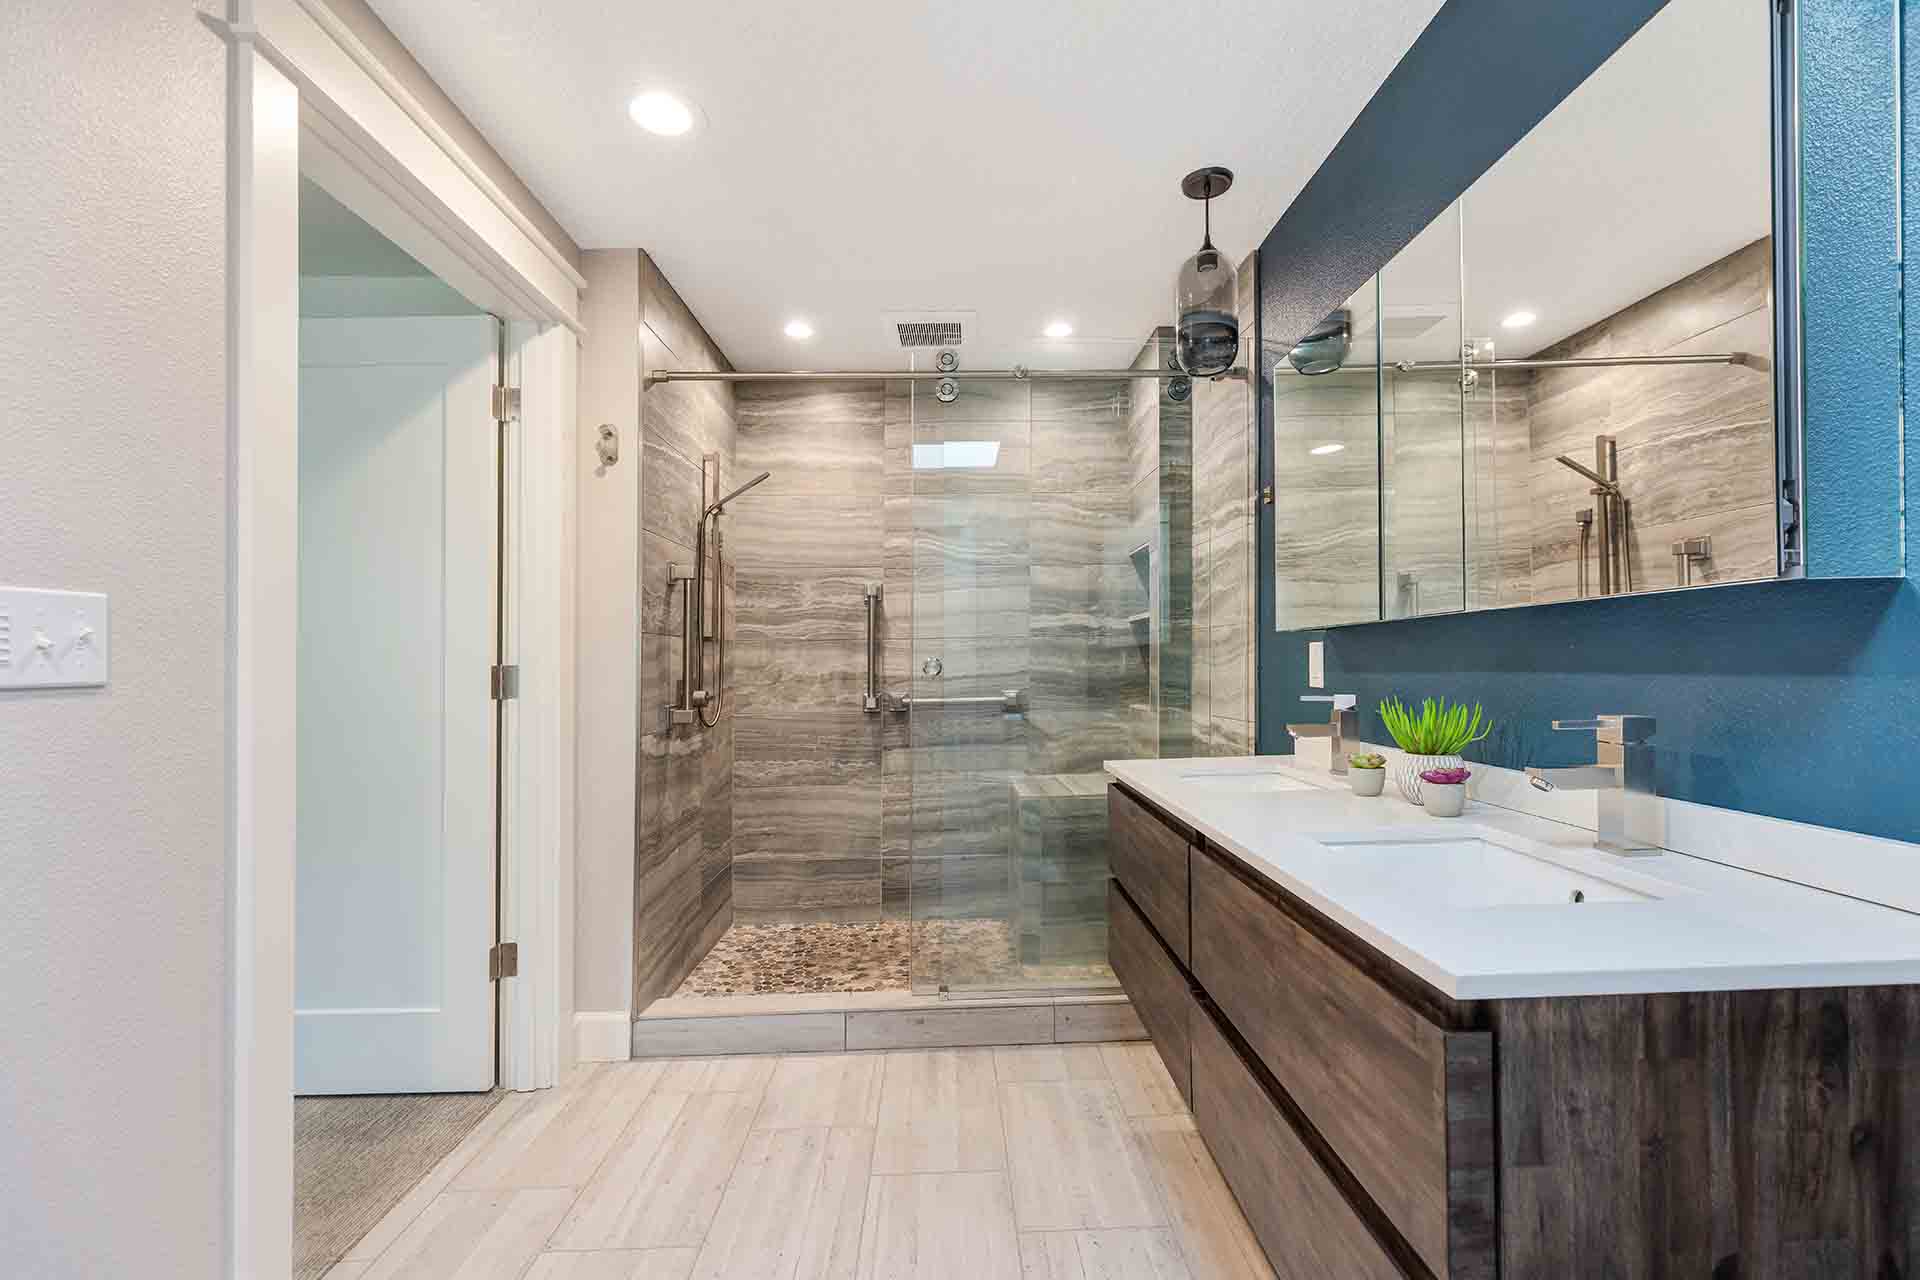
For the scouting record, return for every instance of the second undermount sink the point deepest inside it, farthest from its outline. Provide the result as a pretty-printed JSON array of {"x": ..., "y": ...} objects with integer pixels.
[
  {"x": 1244, "y": 780},
  {"x": 1472, "y": 872}
]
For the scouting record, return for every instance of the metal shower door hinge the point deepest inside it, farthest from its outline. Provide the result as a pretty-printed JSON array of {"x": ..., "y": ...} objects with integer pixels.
[
  {"x": 506, "y": 404},
  {"x": 506, "y": 683},
  {"x": 503, "y": 961}
]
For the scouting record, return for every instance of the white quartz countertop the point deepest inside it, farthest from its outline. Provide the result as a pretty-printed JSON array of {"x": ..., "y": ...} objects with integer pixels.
[{"x": 1707, "y": 927}]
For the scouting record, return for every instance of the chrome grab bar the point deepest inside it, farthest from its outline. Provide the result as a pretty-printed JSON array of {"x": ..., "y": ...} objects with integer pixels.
[
  {"x": 872, "y": 701},
  {"x": 1006, "y": 700}
]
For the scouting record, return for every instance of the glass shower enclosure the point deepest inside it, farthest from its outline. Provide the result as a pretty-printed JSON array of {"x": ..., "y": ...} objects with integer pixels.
[{"x": 1026, "y": 655}]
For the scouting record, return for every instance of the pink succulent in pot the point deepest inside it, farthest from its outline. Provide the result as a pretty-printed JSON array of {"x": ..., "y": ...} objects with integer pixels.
[{"x": 1446, "y": 777}]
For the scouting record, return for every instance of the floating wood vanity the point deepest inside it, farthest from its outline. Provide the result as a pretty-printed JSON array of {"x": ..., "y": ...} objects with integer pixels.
[{"x": 1374, "y": 1126}]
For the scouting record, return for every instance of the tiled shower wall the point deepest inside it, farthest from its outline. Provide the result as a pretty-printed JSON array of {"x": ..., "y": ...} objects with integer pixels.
[
  {"x": 1696, "y": 443},
  {"x": 683, "y": 883},
  {"x": 1191, "y": 503},
  {"x": 805, "y": 545},
  {"x": 1016, "y": 576}
]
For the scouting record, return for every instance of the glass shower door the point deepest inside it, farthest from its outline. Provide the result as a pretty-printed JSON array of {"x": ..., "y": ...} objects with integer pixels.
[{"x": 1012, "y": 546}]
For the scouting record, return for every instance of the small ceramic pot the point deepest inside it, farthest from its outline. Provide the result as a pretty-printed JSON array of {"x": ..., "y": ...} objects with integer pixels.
[
  {"x": 1367, "y": 782},
  {"x": 1443, "y": 800},
  {"x": 1407, "y": 771}
]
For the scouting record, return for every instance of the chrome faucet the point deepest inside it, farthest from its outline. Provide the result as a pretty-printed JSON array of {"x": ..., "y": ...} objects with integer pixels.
[
  {"x": 1342, "y": 722},
  {"x": 1632, "y": 817}
]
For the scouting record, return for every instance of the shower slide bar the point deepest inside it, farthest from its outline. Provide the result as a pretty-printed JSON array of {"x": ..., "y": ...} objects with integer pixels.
[
  {"x": 1584, "y": 362},
  {"x": 1019, "y": 373}
]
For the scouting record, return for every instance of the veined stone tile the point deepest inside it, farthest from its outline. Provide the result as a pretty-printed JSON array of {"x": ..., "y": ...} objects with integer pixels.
[
  {"x": 773, "y": 884},
  {"x": 780, "y": 679},
  {"x": 828, "y": 821},
  {"x": 1085, "y": 526},
  {"x": 1736, "y": 285},
  {"x": 794, "y": 408},
  {"x": 832, "y": 530},
  {"x": 816, "y": 748},
  {"x": 793, "y": 603},
  {"x": 1067, "y": 400}
]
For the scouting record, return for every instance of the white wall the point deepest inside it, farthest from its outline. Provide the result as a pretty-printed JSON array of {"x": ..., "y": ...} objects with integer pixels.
[
  {"x": 113, "y": 1064},
  {"x": 608, "y": 637}
]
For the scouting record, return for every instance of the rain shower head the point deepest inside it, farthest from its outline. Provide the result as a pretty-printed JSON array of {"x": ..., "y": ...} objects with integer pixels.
[{"x": 720, "y": 504}]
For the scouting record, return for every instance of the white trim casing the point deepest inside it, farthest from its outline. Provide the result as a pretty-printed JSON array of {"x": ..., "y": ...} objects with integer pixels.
[
  {"x": 336, "y": 85},
  {"x": 603, "y": 1036},
  {"x": 263, "y": 256},
  {"x": 537, "y": 876},
  {"x": 285, "y": 66}
]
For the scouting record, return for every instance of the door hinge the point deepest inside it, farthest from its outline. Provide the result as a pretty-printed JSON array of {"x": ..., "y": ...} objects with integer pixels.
[
  {"x": 503, "y": 961},
  {"x": 505, "y": 683},
  {"x": 506, "y": 404}
]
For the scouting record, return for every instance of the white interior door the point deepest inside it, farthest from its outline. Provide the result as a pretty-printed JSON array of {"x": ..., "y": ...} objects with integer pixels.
[{"x": 394, "y": 895}]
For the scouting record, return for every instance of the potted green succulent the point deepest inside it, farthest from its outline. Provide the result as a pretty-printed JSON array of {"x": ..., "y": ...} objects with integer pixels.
[
  {"x": 1432, "y": 737},
  {"x": 1443, "y": 792},
  {"x": 1367, "y": 772}
]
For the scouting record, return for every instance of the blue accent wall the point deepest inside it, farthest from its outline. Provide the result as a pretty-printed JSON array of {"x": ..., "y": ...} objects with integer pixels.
[{"x": 1796, "y": 699}]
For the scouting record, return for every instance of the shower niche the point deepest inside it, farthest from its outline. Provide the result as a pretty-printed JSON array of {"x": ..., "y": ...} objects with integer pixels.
[{"x": 1568, "y": 385}]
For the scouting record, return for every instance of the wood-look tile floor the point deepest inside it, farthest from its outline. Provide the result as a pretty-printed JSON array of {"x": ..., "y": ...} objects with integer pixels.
[{"x": 1049, "y": 1162}]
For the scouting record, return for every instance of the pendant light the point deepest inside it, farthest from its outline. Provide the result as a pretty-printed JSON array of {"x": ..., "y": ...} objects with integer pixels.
[{"x": 1207, "y": 334}]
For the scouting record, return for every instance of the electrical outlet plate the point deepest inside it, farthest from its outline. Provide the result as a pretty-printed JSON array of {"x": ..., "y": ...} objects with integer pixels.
[
  {"x": 52, "y": 639},
  {"x": 1316, "y": 664}
]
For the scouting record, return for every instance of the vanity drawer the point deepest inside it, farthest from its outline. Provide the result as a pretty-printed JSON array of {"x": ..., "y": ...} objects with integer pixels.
[
  {"x": 1404, "y": 1102},
  {"x": 1160, "y": 992},
  {"x": 1149, "y": 858},
  {"x": 1305, "y": 1224}
]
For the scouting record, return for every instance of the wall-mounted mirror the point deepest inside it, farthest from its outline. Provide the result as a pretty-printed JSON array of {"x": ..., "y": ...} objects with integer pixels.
[{"x": 1564, "y": 386}]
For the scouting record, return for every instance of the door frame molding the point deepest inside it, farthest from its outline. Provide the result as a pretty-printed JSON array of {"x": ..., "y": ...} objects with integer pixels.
[{"x": 298, "y": 78}]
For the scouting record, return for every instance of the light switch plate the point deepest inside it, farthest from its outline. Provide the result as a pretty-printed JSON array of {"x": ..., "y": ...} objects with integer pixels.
[
  {"x": 52, "y": 639},
  {"x": 1316, "y": 664}
]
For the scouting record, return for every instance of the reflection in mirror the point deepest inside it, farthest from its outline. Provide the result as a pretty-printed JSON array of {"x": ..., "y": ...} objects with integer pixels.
[
  {"x": 1575, "y": 390},
  {"x": 1421, "y": 435},
  {"x": 1326, "y": 477},
  {"x": 1631, "y": 225}
]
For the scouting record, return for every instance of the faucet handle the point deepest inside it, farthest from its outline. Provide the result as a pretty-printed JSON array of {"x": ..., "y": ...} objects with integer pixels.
[
  {"x": 1617, "y": 729},
  {"x": 1340, "y": 701}
]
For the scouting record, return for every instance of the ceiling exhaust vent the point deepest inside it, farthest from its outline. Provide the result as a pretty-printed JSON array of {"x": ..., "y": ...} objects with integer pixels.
[{"x": 917, "y": 329}]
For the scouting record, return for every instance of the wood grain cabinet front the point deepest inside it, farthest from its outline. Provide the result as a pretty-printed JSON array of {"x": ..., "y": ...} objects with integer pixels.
[
  {"x": 1309, "y": 1229},
  {"x": 1405, "y": 1102},
  {"x": 1160, "y": 992},
  {"x": 1148, "y": 856}
]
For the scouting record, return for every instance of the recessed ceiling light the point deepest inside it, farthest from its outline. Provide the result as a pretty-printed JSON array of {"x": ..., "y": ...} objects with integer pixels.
[
  {"x": 799, "y": 330},
  {"x": 1519, "y": 320},
  {"x": 658, "y": 111},
  {"x": 1322, "y": 450},
  {"x": 1059, "y": 329}
]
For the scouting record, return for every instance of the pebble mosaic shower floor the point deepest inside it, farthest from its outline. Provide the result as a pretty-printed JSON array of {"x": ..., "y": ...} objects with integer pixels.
[{"x": 769, "y": 959}]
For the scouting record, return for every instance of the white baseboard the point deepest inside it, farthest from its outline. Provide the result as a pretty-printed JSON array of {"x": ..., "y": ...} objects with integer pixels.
[{"x": 603, "y": 1037}]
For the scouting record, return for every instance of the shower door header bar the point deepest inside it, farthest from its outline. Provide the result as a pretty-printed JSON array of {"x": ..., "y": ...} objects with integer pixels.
[
  {"x": 1016, "y": 374},
  {"x": 1570, "y": 362}
]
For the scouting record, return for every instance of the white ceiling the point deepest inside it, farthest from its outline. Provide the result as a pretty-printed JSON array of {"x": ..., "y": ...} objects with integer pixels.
[{"x": 1015, "y": 159}]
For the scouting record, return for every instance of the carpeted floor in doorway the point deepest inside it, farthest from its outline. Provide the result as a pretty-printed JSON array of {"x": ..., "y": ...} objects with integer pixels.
[{"x": 355, "y": 1157}]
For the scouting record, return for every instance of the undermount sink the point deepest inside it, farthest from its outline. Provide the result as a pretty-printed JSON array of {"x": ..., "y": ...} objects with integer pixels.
[
  {"x": 1245, "y": 780},
  {"x": 1471, "y": 872}
]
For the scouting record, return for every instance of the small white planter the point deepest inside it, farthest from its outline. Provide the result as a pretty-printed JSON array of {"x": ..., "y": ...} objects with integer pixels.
[
  {"x": 1407, "y": 771},
  {"x": 1367, "y": 782},
  {"x": 1443, "y": 800}
]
